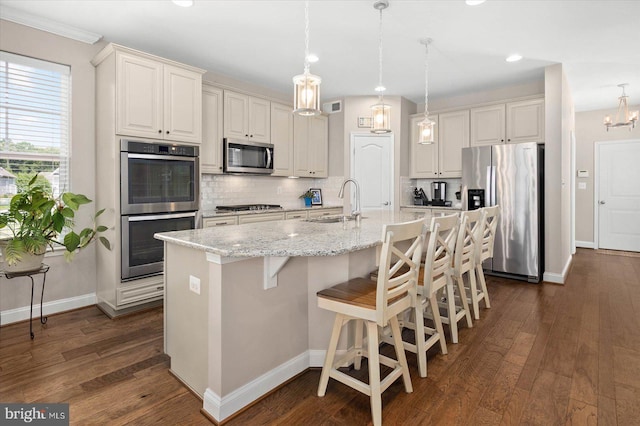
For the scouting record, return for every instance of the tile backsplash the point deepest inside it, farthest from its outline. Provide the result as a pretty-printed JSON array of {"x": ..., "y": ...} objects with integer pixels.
[{"x": 236, "y": 189}]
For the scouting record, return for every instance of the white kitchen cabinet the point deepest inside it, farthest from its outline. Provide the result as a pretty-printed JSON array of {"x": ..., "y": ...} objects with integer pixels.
[
  {"x": 512, "y": 122},
  {"x": 246, "y": 117},
  {"x": 282, "y": 139},
  {"x": 488, "y": 125},
  {"x": 311, "y": 146},
  {"x": 525, "y": 121},
  {"x": 211, "y": 150},
  {"x": 295, "y": 215},
  {"x": 157, "y": 100},
  {"x": 424, "y": 158},
  {"x": 453, "y": 136},
  {"x": 324, "y": 212},
  {"x": 260, "y": 217},
  {"x": 209, "y": 222}
]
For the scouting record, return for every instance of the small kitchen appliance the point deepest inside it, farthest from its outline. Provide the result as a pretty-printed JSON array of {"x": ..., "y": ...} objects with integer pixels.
[
  {"x": 243, "y": 156},
  {"x": 420, "y": 198},
  {"x": 439, "y": 191}
]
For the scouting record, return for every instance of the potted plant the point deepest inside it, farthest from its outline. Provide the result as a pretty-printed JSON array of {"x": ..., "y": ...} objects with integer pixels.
[
  {"x": 35, "y": 219},
  {"x": 307, "y": 195}
]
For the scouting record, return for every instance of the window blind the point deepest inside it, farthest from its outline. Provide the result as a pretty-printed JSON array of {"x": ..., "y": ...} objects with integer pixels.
[{"x": 35, "y": 119}]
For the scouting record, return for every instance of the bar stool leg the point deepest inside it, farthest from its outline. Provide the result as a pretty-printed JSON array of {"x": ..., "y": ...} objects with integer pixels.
[
  {"x": 330, "y": 356},
  {"x": 374, "y": 373}
]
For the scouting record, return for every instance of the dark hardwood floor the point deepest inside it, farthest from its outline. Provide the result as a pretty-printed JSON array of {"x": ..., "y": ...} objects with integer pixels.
[{"x": 543, "y": 354}]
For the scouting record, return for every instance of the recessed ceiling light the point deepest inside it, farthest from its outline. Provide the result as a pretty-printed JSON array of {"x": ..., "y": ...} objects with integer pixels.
[
  {"x": 474, "y": 2},
  {"x": 183, "y": 3},
  {"x": 513, "y": 58},
  {"x": 312, "y": 58}
]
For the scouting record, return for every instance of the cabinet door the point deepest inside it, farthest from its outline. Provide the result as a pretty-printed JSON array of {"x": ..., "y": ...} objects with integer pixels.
[
  {"x": 236, "y": 114},
  {"x": 301, "y": 165},
  {"x": 318, "y": 147},
  {"x": 182, "y": 105},
  {"x": 454, "y": 135},
  {"x": 424, "y": 158},
  {"x": 139, "y": 97},
  {"x": 525, "y": 121},
  {"x": 487, "y": 125},
  {"x": 259, "y": 120},
  {"x": 282, "y": 139},
  {"x": 211, "y": 150},
  {"x": 260, "y": 217}
]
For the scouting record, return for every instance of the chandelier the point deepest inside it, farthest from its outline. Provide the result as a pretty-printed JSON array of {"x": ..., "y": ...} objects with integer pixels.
[
  {"x": 624, "y": 118},
  {"x": 306, "y": 86},
  {"x": 426, "y": 127},
  {"x": 380, "y": 112}
]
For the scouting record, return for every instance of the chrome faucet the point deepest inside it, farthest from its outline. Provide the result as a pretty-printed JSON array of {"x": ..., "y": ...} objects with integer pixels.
[{"x": 357, "y": 213}]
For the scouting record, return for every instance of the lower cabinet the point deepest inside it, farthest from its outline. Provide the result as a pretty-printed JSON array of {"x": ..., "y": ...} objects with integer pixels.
[
  {"x": 295, "y": 215},
  {"x": 144, "y": 290},
  {"x": 210, "y": 222},
  {"x": 324, "y": 212}
]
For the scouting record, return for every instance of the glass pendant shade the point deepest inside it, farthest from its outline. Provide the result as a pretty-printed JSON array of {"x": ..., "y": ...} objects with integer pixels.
[
  {"x": 381, "y": 117},
  {"x": 426, "y": 131},
  {"x": 306, "y": 95}
]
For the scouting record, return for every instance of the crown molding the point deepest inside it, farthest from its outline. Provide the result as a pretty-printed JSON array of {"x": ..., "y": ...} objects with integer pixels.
[{"x": 19, "y": 17}]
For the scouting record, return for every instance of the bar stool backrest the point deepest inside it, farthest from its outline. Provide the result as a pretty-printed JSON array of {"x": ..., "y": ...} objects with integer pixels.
[
  {"x": 492, "y": 215},
  {"x": 440, "y": 251},
  {"x": 397, "y": 290},
  {"x": 468, "y": 243}
]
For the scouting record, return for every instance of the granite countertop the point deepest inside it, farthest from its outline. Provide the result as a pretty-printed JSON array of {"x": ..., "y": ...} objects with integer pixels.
[
  {"x": 213, "y": 213},
  {"x": 289, "y": 237}
]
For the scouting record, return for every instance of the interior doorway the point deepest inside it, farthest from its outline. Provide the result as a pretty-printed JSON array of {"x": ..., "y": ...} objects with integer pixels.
[
  {"x": 372, "y": 167},
  {"x": 617, "y": 196}
]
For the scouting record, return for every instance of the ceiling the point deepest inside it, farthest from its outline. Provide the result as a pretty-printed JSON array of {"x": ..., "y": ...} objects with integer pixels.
[{"x": 262, "y": 42}]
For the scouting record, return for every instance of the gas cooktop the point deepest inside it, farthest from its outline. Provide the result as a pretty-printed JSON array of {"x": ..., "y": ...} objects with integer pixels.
[{"x": 248, "y": 207}]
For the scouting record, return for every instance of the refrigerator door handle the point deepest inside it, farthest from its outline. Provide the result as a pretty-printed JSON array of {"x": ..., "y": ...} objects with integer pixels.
[{"x": 492, "y": 185}]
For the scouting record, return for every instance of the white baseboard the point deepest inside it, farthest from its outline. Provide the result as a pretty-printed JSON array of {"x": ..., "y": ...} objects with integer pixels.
[
  {"x": 586, "y": 244},
  {"x": 221, "y": 408},
  {"x": 558, "y": 278},
  {"x": 49, "y": 308},
  {"x": 316, "y": 357}
]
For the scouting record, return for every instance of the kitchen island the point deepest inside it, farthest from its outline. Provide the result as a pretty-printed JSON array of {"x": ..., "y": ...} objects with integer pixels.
[{"x": 241, "y": 314}]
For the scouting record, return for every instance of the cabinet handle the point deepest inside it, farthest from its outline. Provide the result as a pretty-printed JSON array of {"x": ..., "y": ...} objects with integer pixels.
[
  {"x": 246, "y": 135},
  {"x": 501, "y": 140},
  {"x": 250, "y": 136},
  {"x": 159, "y": 288},
  {"x": 160, "y": 131},
  {"x": 167, "y": 132},
  {"x": 508, "y": 140}
]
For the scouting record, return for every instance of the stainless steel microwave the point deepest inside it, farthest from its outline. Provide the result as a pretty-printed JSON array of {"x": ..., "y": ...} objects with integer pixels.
[{"x": 242, "y": 156}]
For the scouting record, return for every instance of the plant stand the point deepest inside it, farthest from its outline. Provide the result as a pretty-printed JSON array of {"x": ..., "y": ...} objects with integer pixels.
[{"x": 43, "y": 270}]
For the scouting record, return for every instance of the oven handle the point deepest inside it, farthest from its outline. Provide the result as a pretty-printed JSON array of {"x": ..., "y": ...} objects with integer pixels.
[
  {"x": 161, "y": 216},
  {"x": 269, "y": 159},
  {"x": 161, "y": 157}
]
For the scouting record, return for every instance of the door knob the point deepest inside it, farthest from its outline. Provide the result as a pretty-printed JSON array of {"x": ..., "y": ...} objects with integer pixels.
[
  {"x": 386, "y": 203},
  {"x": 602, "y": 202}
]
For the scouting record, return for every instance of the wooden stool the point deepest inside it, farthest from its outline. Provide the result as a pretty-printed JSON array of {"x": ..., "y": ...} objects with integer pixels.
[
  {"x": 466, "y": 258},
  {"x": 372, "y": 305},
  {"x": 484, "y": 250}
]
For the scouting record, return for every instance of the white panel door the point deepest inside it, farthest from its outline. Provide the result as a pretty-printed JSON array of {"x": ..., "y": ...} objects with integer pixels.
[
  {"x": 372, "y": 167},
  {"x": 619, "y": 195}
]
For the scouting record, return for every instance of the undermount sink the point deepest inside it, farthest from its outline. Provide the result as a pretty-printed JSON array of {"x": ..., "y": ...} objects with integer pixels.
[{"x": 332, "y": 218}]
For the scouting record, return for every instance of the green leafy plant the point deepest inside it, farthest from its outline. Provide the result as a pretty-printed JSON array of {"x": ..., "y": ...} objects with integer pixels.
[
  {"x": 35, "y": 219},
  {"x": 307, "y": 194}
]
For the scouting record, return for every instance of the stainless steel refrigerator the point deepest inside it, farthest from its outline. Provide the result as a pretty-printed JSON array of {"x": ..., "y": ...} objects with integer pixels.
[{"x": 511, "y": 176}]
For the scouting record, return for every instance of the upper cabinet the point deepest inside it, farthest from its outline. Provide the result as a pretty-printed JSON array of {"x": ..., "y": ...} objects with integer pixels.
[
  {"x": 246, "y": 117},
  {"x": 311, "y": 141},
  {"x": 282, "y": 139},
  {"x": 513, "y": 122},
  {"x": 453, "y": 135},
  {"x": 525, "y": 121},
  {"x": 443, "y": 158},
  {"x": 157, "y": 100},
  {"x": 211, "y": 150},
  {"x": 424, "y": 158}
]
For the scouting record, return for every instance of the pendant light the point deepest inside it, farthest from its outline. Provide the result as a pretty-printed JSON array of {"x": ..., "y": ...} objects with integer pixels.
[
  {"x": 624, "y": 118},
  {"x": 306, "y": 86},
  {"x": 426, "y": 128},
  {"x": 380, "y": 112}
]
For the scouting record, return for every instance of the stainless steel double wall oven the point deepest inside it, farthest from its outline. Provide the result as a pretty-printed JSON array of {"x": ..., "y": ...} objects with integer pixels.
[{"x": 159, "y": 192}]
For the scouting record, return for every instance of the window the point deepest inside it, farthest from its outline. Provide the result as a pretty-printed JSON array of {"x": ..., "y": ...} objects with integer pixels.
[{"x": 34, "y": 124}]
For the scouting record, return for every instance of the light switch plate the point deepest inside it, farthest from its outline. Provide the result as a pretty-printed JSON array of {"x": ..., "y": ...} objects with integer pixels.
[
  {"x": 194, "y": 284},
  {"x": 583, "y": 173},
  {"x": 582, "y": 185}
]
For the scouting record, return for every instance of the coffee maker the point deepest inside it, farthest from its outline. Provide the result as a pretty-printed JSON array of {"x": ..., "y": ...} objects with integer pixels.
[{"x": 439, "y": 191}]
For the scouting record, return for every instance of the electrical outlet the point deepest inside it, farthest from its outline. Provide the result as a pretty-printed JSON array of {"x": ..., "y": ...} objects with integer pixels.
[
  {"x": 194, "y": 284},
  {"x": 279, "y": 190}
]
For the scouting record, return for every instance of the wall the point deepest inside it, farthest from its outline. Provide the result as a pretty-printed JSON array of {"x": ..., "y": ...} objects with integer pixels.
[
  {"x": 589, "y": 130},
  {"x": 558, "y": 126},
  {"x": 73, "y": 284}
]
